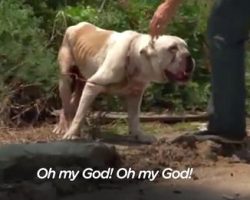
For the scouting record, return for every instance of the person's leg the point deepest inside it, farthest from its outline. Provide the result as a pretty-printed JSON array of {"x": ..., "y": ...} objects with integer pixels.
[{"x": 227, "y": 33}]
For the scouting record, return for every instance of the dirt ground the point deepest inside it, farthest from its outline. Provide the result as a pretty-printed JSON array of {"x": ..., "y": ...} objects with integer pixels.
[{"x": 220, "y": 172}]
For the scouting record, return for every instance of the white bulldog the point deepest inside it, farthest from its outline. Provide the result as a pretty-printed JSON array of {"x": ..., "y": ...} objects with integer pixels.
[{"x": 119, "y": 63}]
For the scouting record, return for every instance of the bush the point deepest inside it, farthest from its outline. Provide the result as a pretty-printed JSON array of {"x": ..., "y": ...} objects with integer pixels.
[{"x": 26, "y": 61}]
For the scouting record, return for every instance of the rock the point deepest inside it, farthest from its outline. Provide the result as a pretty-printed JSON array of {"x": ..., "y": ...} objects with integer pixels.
[
  {"x": 28, "y": 190},
  {"x": 228, "y": 197},
  {"x": 20, "y": 162},
  {"x": 234, "y": 159},
  {"x": 65, "y": 187},
  {"x": 45, "y": 191},
  {"x": 195, "y": 177},
  {"x": 4, "y": 196},
  {"x": 209, "y": 150}
]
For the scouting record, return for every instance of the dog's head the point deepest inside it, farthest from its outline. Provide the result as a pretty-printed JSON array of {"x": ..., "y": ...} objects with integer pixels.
[{"x": 170, "y": 59}]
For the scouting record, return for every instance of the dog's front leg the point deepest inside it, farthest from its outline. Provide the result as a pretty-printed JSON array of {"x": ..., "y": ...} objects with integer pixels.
[
  {"x": 89, "y": 94},
  {"x": 133, "y": 108}
]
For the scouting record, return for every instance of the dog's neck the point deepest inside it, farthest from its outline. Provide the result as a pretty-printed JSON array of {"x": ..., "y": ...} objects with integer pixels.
[
  {"x": 146, "y": 65},
  {"x": 135, "y": 55}
]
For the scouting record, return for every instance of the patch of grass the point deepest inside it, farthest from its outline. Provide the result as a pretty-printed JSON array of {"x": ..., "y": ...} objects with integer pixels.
[
  {"x": 186, "y": 126},
  {"x": 120, "y": 127}
]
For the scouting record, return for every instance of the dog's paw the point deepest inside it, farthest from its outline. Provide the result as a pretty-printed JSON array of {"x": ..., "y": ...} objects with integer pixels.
[
  {"x": 70, "y": 136},
  {"x": 59, "y": 129},
  {"x": 62, "y": 126},
  {"x": 147, "y": 139}
]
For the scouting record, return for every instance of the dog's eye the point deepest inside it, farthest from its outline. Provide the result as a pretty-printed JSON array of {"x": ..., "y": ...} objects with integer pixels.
[{"x": 173, "y": 48}]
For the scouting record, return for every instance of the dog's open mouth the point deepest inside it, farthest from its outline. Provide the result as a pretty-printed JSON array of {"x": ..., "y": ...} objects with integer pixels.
[
  {"x": 186, "y": 67},
  {"x": 181, "y": 76}
]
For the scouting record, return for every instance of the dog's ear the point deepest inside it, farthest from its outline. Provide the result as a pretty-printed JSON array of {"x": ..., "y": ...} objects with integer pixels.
[
  {"x": 173, "y": 48},
  {"x": 148, "y": 50}
]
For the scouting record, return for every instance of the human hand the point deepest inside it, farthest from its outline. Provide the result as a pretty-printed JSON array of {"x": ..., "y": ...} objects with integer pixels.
[
  {"x": 157, "y": 25},
  {"x": 162, "y": 17}
]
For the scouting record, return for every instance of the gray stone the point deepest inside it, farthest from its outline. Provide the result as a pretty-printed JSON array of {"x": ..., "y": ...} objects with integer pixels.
[
  {"x": 45, "y": 191},
  {"x": 4, "y": 196},
  {"x": 21, "y": 161}
]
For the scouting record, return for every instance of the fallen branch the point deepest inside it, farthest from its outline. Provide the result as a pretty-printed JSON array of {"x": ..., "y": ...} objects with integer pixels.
[{"x": 107, "y": 117}]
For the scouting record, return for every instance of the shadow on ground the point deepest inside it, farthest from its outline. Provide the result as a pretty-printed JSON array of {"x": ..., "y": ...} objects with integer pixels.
[{"x": 162, "y": 191}]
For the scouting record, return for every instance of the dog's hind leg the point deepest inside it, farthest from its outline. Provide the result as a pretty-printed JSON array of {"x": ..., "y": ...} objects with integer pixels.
[
  {"x": 66, "y": 62},
  {"x": 78, "y": 85},
  {"x": 89, "y": 93}
]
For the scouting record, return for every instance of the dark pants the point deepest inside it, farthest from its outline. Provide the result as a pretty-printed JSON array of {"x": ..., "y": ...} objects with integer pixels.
[{"x": 228, "y": 30}]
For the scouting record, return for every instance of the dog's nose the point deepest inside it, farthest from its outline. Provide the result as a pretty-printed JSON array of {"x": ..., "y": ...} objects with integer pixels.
[{"x": 189, "y": 64}]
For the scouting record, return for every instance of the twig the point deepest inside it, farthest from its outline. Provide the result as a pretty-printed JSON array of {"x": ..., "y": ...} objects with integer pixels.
[{"x": 102, "y": 5}]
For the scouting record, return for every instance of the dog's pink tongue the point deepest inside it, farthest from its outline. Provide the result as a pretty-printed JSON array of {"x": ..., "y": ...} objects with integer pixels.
[
  {"x": 183, "y": 64},
  {"x": 180, "y": 75}
]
